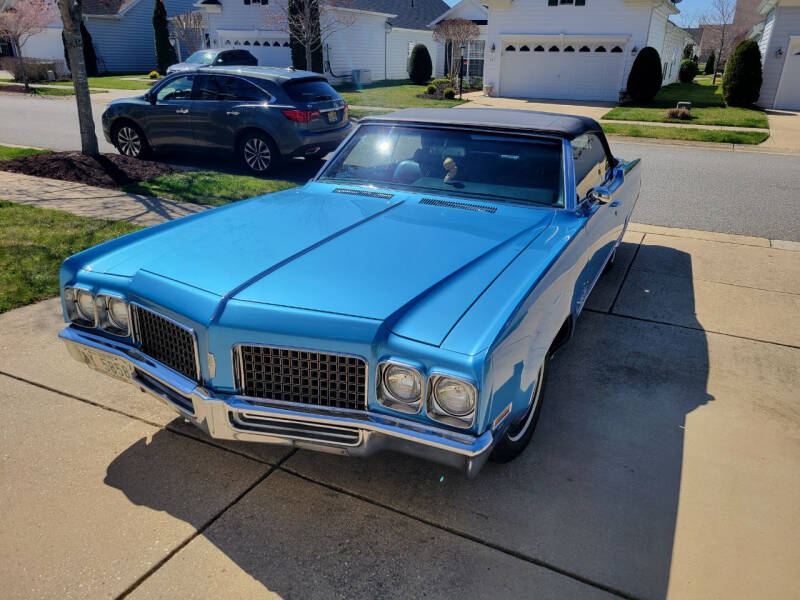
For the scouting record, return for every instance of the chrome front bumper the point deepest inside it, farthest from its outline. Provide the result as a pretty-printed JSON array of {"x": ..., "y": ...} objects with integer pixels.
[{"x": 231, "y": 417}]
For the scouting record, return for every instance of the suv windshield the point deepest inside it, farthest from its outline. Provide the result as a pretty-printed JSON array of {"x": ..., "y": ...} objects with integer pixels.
[
  {"x": 310, "y": 90},
  {"x": 445, "y": 161},
  {"x": 202, "y": 57}
]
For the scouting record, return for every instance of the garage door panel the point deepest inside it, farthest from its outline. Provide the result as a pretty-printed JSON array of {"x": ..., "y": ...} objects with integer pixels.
[
  {"x": 788, "y": 95},
  {"x": 561, "y": 75}
]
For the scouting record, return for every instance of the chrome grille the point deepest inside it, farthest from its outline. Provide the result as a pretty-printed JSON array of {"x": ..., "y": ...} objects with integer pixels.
[
  {"x": 302, "y": 376},
  {"x": 167, "y": 342}
]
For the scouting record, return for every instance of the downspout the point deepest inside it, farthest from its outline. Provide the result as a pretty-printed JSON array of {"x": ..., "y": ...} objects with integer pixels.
[{"x": 387, "y": 29}]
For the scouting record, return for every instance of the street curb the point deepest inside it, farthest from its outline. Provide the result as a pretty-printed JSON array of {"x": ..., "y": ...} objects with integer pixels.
[
  {"x": 714, "y": 236},
  {"x": 724, "y": 146}
]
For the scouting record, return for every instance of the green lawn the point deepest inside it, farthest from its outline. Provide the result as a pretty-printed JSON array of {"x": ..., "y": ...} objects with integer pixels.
[
  {"x": 9, "y": 152},
  {"x": 33, "y": 243},
  {"x": 392, "y": 94},
  {"x": 708, "y": 107},
  {"x": 686, "y": 133},
  {"x": 208, "y": 187},
  {"x": 50, "y": 90},
  {"x": 121, "y": 82}
]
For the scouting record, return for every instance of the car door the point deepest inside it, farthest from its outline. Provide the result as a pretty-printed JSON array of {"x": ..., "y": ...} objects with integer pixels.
[
  {"x": 604, "y": 221},
  {"x": 223, "y": 105},
  {"x": 167, "y": 122}
]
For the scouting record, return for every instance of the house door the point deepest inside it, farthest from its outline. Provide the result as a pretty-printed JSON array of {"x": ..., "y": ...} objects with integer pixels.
[{"x": 788, "y": 95}]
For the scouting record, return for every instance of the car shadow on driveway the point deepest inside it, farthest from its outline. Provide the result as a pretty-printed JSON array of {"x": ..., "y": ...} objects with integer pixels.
[{"x": 594, "y": 498}]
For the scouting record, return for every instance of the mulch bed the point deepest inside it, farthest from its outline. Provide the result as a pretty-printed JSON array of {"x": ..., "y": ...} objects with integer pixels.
[
  {"x": 106, "y": 170},
  {"x": 16, "y": 89}
]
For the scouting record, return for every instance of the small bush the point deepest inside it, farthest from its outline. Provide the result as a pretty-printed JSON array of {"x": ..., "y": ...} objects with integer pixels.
[
  {"x": 687, "y": 71},
  {"x": 153, "y": 75},
  {"x": 645, "y": 77},
  {"x": 742, "y": 83},
  {"x": 710, "y": 64},
  {"x": 476, "y": 83},
  {"x": 679, "y": 113},
  {"x": 420, "y": 67},
  {"x": 449, "y": 93},
  {"x": 442, "y": 83},
  {"x": 431, "y": 90}
]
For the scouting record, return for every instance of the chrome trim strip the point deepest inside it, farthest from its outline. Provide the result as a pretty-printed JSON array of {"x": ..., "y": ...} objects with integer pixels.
[{"x": 189, "y": 330}]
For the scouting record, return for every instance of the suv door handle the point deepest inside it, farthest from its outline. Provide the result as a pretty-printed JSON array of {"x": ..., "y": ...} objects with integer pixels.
[
  {"x": 232, "y": 113},
  {"x": 182, "y": 111}
]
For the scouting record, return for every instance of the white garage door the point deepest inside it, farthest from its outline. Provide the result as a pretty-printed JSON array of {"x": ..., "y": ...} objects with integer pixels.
[
  {"x": 562, "y": 71},
  {"x": 270, "y": 53},
  {"x": 788, "y": 95}
]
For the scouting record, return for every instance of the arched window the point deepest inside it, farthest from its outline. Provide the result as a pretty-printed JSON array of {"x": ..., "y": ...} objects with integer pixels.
[
  {"x": 600, "y": 49},
  {"x": 616, "y": 49},
  {"x": 539, "y": 49},
  {"x": 246, "y": 43},
  {"x": 553, "y": 49},
  {"x": 276, "y": 44},
  {"x": 510, "y": 48},
  {"x": 285, "y": 44},
  {"x": 256, "y": 43},
  {"x": 524, "y": 49},
  {"x": 584, "y": 49},
  {"x": 237, "y": 43},
  {"x": 569, "y": 49},
  {"x": 227, "y": 42}
]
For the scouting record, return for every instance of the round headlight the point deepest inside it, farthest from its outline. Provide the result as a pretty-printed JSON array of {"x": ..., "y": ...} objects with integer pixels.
[
  {"x": 403, "y": 383},
  {"x": 454, "y": 397},
  {"x": 85, "y": 305},
  {"x": 118, "y": 313}
]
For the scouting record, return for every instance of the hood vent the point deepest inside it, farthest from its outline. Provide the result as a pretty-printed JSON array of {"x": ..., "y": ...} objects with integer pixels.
[
  {"x": 383, "y": 195},
  {"x": 461, "y": 205}
]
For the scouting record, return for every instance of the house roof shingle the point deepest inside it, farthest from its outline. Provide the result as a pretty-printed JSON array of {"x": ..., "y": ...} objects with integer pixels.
[{"x": 411, "y": 14}]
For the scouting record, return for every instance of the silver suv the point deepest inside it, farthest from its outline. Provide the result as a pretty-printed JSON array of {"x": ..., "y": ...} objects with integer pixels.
[{"x": 263, "y": 114}]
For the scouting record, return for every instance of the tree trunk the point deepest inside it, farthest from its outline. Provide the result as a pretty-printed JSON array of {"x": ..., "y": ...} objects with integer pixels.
[
  {"x": 721, "y": 46},
  {"x": 23, "y": 71},
  {"x": 308, "y": 55},
  {"x": 71, "y": 17}
]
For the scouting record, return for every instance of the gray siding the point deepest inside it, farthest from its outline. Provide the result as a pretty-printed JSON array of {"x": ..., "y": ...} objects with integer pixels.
[
  {"x": 127, "y": 44},
  {"x": 786, "y": 21}
]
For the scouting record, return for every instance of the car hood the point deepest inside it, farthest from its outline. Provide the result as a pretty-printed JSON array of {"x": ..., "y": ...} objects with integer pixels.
[{"x": 416, "y": 266}]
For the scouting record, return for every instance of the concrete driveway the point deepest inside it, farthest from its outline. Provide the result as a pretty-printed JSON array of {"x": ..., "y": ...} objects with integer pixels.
[
  {"x": 581, "y": 108},
  {"x": 666, "y": 464}
]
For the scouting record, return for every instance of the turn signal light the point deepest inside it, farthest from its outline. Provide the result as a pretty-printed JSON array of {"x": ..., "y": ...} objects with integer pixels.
[{"x": 301, "y": 116}]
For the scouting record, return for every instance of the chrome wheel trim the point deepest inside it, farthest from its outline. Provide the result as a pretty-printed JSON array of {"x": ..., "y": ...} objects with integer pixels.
[
  {"x": 528, "y": 418},
  {"x": 128, "y": 141},
  {"x": 257, "y": 154}
]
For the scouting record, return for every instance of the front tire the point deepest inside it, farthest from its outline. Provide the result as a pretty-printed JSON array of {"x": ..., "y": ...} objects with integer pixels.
[
  {"x": 258, "y": 153},
  {"x": 130, "y": 141},
  {"x": 519, "y": 434}
]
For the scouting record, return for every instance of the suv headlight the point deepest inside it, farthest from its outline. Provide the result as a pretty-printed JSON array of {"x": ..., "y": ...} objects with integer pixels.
[
  {"x": 112, "y": 312},
  {"x": 80, "y": 306},
  {"x": 452, "y": 401},
  {"x": 400, "y": 387}
]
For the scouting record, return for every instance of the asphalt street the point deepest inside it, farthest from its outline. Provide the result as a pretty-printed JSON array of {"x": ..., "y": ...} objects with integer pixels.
[{"x": 747, "y": 193}]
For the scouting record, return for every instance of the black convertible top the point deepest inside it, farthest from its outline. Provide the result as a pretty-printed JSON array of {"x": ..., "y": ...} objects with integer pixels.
[{"x": 567, "y": 126}]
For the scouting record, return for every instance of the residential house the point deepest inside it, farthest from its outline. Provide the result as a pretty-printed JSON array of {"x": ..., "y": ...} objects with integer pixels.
[
  {"x": 374, "y": 37},
  {"x": 575, "y": 49},
  {"x": 121, "y": 30},
  {"x": 746, "y": 15},
  {"x": 778, "y": 39},
  {"x": 473, "y": 53}
]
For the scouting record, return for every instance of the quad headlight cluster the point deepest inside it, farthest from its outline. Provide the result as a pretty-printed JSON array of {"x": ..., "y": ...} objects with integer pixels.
[
  {"x": 106, "y": 311},
  {"x": 446, "y": 399}
]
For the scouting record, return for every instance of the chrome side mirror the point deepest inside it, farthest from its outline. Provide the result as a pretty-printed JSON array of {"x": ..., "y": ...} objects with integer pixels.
[{"x": 600, "y": 195}]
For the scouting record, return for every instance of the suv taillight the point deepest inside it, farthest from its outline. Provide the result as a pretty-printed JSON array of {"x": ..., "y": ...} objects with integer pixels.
[{"x": 301, "y": 116}]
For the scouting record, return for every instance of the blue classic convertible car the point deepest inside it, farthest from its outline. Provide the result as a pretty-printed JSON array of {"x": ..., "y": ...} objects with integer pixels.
[{"x": 407, "y": 298}]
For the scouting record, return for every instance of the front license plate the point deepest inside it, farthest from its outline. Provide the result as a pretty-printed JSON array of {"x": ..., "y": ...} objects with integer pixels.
[
  {"x": 106, "y": 363},
  {"x": 333, "y": 116}
]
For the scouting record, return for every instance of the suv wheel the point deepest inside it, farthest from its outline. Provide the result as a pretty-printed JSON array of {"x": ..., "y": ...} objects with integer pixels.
[
  {"x": 258, "y": 153},
  {"x": 129, "y": 140}
]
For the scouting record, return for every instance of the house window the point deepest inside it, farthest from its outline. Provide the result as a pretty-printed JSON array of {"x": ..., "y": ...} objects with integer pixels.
[
  {"x": 276, "y": 44},
  {"x": 616, "y": 49},
  {"x": 247, "y": 2},
  {"x": 475, "y": 58},
  {"x": 525, "y": 49},
  {"x": 584, "y": 49},
  {"x": 566, "y": 1},
  {"x": 553, "y": 49},
  {"x": 569, "y": 49},
  {"x": 246, "y": 43},
  {"x": 256, "y": 43},
  {"x": 285, "y": 44},
  {"x": 580, "y": 2},
  {"x": 552, "y": 2},
  {"x": 510, "y": 49},
  {"x": 539, "y": 49},
  {"x": 600, "y": 49}
]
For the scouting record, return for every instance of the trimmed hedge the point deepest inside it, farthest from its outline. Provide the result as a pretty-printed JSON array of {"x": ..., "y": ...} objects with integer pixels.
[
  {"x": 710, "y": 64},
  {"x": 420, "y": 67},
  {"x": 742, "y": 83},
  {"x": 645, "y": 77},
  {"x": 688, "y": 70}
]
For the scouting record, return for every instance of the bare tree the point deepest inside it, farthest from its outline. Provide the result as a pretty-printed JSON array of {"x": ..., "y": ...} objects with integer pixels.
[
  {"x": 719, "y": 15},
  {"x": 190, "y": 29},
  {"x": 456, "y": 32},
  {"x": 23, "y": 20},
  {"x": 71, "y": 17},
  {"x": 311, "y": 22}
]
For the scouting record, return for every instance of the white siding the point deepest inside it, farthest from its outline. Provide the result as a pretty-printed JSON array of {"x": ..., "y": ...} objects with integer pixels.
[
  {"x": 782, "y": 22},
  {"x": 359, "y": 46},
  {"x": 675, "y": 41},
  {"x": 624, "y": 20},
  {"x": 400, "y": 43},
  {"x": 763, "y": 42},
  {"x": 238, "y": 15},
  {"x": 657, "y": 30}
]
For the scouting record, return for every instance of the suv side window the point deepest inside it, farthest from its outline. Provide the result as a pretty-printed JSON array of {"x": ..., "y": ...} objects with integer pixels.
[
  {"x": 591, "y": 163},
  {"x": 224, "y": 58},
  {"x": 179, "y": 88},
  {"x": 227, "y": 89}
]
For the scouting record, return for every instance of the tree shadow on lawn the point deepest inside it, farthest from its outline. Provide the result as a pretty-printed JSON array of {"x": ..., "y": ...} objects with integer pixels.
[{"x": 595, "y": 496}]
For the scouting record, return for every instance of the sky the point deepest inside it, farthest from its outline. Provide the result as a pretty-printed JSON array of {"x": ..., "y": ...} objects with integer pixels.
[{"x": 690, "y": 11}]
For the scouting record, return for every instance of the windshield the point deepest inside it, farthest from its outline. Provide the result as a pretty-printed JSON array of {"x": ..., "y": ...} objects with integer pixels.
[
  {"x": 202, "y": 57},
  {"x": 452, "y": 162}
]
